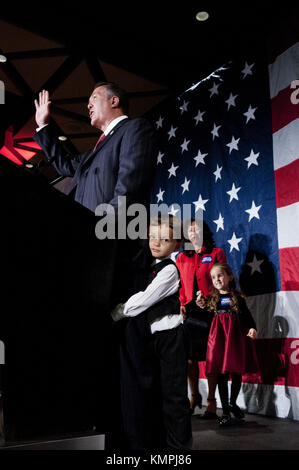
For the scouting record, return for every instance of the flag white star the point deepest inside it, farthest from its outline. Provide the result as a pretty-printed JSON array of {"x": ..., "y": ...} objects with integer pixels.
[
  {"x": 160, "y": 195},
  {"x": 250, "y": 113},
  {"x": 234, "y": 243},
  {"x": 172, "y": 131},
  {"x": 253, "y": 211},
  {"x": 185, "y": 185},
  {"x": 159, "y": 122},
  {"x": 200, "y": 203},
  {"x": 233, "y": 193},
  {"x": 199, "y": 116},
  {"x": 233, "y": 145},
  {"x": 159, "y": 158},
  {"x": 231, "y": 101},
  {"x": 200, "y": 158},
  {"x": 255, "y": 265},
  {"x": 217, "y": 173},
  {"x": 173, "y": 211},
  {"x": 172, "y": 170},
  {"x": 214, "y": 132},
  {"x": 247, "y": 70},
  {"x": 219, "y": 222},
  {"x": 214, "y": 89},
  {"x": 183, "y": 108},
  {"x": 252, "y": 159},
  {"x": 184, "y": 145}
]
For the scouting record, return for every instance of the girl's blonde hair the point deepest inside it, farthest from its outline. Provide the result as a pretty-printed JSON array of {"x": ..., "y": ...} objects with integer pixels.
[{"x": 235, "y": 293}]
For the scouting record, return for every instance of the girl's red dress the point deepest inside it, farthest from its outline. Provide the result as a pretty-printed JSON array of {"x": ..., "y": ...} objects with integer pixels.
[{"x": 229, "y": 348}]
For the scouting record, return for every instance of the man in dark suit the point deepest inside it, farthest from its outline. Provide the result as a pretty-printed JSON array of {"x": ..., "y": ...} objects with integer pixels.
[{"x": 121, "y": 164}]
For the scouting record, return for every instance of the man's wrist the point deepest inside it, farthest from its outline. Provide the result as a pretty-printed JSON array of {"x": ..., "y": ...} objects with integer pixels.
[{"x": 41, "y": 127}]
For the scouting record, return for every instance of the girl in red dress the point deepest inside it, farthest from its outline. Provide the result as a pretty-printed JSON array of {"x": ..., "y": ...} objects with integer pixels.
[
  {"x": 230, "y": 350},
  {"x": 194, "y": 266}
]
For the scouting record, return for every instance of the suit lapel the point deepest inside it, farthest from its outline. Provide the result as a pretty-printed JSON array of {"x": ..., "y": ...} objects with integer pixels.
[
  {"x": 89, "y": 156},
  {"x": 104, "y": 142}
]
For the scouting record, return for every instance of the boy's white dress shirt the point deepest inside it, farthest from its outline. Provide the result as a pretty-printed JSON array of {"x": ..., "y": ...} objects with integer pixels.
[{"x": 163, "y": 285}]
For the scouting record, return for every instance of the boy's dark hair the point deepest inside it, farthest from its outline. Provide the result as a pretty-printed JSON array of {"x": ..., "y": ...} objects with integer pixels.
[
  {"x": 171, "y": 221},
  {"x": 112, "y": 89}
]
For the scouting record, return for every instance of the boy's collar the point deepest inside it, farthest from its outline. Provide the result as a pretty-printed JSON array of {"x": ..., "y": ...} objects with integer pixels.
[{"x": 158, "y": 260}]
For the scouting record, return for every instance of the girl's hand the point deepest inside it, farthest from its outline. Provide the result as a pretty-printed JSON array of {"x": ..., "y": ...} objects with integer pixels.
[
  {"x": 252, "y": 333},
  {"x": 200, "y": 300}
]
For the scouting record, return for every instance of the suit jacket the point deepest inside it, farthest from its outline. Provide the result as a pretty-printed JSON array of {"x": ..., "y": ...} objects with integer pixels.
[{"x": 121, "y": 165}]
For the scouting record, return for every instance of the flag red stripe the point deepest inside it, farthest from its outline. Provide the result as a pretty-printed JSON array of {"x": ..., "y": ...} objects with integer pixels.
[
  {"x": 286, "y": 184},
  {"x": 289, "y": 262},
  {"x": 284, "y": 108},
  {"x": 283, "y": 356}
]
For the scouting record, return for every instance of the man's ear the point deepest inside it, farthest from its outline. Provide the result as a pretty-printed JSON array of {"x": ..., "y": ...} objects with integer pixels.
[{"x": 114, "y": 101}]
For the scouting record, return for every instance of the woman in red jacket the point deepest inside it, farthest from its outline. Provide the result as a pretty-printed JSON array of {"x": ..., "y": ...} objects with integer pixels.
[{"x": 194, "y": 266}]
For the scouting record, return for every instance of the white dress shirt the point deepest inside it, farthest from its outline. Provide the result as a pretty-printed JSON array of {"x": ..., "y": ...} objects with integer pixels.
[
  {"x": 163, "y": 285},
  {"x": 113, "y": 123}
]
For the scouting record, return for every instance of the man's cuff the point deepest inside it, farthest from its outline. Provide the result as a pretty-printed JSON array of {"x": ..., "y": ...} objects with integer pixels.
[{"x": 41, "y": 127}]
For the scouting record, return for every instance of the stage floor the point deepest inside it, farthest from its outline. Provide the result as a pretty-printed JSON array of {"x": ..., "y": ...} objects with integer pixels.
[{"x": 257, "y": 432}]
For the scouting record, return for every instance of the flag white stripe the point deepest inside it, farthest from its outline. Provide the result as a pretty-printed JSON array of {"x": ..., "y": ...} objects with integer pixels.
[
  {"x": 276, "y": 314},
  {"x": 264, "y": 399},
  {"x": 270, "y": 400},
  {"x": 286, "y": 145},
  {"x": 288, "y": 226},
  {"x": 284, "y": 70}
]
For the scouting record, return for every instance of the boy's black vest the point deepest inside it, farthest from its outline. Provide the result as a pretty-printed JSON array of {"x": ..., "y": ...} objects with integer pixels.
[{"x": 167, "y": 306}]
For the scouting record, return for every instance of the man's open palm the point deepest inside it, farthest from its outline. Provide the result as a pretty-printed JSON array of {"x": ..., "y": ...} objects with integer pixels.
[{"x": 42, "y": 106}]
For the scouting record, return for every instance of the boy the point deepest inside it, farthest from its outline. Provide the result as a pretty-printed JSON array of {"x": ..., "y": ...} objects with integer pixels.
[{"x": 159, "y": 302}]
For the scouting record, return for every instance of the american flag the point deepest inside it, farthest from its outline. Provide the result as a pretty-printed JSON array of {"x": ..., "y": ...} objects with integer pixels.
[{"x": 228, "y": 147}]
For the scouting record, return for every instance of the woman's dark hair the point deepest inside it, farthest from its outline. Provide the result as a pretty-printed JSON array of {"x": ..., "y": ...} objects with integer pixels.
[
  {"x": 112, "y": 89},
  {"x": 207, "y": 235}
]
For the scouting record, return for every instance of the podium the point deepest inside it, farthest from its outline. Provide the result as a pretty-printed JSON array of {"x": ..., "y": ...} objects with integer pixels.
[{"x": 56, "y": 289}]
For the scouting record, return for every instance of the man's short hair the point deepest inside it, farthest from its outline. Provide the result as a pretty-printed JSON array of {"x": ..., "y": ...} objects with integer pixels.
[
  {"x": 112, "y": 89},
  {"x": 170, "y": 221}
]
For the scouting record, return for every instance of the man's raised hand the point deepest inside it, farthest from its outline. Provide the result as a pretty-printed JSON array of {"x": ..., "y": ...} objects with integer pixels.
[{"x": 42, "y": 106}]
